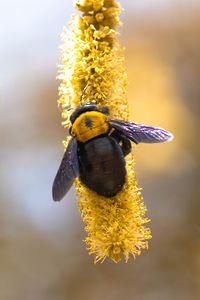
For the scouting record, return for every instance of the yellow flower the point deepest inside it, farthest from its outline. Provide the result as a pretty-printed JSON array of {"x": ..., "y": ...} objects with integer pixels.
[{"x": 92, "y": 68}]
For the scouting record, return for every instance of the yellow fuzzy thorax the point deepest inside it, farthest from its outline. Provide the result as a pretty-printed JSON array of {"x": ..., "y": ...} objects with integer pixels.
[{"x": 89, "y": 125}]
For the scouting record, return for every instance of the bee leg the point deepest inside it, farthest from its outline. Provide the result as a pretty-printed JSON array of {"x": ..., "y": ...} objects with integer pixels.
[
  {"x": 123, "y": 141},
  {"x": 126, "y": 146}
]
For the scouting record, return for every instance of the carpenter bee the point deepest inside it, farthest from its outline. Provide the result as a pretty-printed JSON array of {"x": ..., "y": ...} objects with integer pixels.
[{"x": 97, "y": 150}]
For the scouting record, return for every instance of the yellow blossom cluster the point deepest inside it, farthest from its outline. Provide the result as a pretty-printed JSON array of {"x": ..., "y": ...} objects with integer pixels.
[{"x": 92, "y": 69}]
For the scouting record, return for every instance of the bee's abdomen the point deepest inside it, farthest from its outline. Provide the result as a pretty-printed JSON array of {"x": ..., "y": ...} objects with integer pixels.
[{"x": 102, "y": 165}]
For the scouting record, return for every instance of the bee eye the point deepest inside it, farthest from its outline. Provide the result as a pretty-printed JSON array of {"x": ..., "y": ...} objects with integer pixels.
[{"x": 105, "y": 110}]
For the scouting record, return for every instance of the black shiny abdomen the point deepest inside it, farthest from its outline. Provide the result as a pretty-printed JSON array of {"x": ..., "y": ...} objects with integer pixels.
[{"x": 102, "y": 165}]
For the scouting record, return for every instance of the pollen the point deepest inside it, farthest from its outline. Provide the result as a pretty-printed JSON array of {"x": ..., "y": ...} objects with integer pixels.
[{"x": 92, "y": 68}]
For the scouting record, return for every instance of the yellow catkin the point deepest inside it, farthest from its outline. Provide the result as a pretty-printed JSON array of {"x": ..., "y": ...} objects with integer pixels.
[{"x": 92, "y": 69}]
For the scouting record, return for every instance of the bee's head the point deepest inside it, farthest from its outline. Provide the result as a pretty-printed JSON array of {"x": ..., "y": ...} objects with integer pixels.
[{"x": 87, "y": 107}]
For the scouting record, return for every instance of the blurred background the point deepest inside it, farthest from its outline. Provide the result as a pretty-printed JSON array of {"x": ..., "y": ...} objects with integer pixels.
[{"x": 42, "y": 255}]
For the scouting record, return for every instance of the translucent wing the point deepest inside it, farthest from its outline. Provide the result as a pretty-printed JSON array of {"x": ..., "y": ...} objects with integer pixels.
[
  {"x": 67, "y": 171},
  {"x": 140, "y": 133}
]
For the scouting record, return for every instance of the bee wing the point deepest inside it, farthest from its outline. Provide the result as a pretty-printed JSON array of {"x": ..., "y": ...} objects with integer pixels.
[
  {"x": 140, "y": 133},
  {"x": 67, "y": 172}
]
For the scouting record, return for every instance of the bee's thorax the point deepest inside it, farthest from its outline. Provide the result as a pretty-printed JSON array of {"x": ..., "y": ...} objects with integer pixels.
[{"x": 89, "y": 125}]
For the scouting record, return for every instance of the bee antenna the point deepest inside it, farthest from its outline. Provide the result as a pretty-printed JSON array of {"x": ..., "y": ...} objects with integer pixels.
[
  {"x": 68, "y": 108},
  {"x": 83, "y": 92}
]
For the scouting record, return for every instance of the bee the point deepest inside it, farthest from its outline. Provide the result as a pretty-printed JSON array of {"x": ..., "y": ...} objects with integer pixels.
[{"x": 97, "y": 149}]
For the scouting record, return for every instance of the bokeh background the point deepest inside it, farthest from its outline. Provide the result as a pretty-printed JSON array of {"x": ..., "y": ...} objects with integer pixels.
[{"x": 41, "y": 251}]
